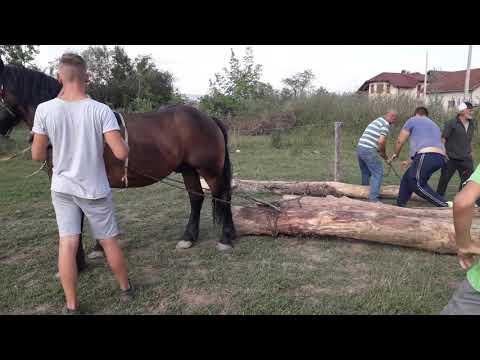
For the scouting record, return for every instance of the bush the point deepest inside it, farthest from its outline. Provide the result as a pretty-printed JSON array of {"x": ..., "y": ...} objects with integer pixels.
[{"x": 276, "y": 139}]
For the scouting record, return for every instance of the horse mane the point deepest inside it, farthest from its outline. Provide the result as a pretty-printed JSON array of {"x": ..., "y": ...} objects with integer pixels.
[{"x": 30, "y": 87}]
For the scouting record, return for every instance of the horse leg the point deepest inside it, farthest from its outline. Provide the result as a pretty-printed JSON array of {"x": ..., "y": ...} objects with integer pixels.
[
  {"x": 222, "y": 211},
  {"x": 192, "y": 184}
]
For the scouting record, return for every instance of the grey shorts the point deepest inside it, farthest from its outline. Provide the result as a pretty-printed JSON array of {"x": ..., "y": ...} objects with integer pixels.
[
  {"x": 99, "y": 212},
  {"x": 465, "y": 301}
]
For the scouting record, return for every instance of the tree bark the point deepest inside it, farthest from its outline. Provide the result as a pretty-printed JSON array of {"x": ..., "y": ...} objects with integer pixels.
[
  {"x": 428, "y": 229},
  {"x": 314, "y": 188}
]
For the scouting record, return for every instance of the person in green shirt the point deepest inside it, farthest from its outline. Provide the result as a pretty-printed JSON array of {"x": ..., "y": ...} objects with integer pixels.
[{"x": 466, "y": 299}]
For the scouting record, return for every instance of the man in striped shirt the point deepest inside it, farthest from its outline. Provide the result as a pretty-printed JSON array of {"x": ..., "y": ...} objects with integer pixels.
[{"x": 370, "y": 148}]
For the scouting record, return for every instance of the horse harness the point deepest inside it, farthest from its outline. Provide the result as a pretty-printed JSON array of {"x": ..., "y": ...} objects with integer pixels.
[
  {"x": 121, "y": 122},
  {"x": 7, "y": 114}
]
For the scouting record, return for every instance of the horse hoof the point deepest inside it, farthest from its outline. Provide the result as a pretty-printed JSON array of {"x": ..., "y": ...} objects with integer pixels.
[
  {"x": 224, "y": 247},
  {"x": 184, "y": 244},
  {"x": 96, "y": 255}
]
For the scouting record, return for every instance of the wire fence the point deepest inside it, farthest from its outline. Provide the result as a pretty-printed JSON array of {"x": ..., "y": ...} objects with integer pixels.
[{"x": 320, "y": 152}]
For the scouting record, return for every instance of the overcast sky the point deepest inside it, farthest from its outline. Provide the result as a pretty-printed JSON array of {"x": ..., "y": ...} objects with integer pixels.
[{"x": 338, "y": 68}]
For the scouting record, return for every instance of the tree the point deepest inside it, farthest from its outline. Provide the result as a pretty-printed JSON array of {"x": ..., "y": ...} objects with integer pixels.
[
  {"x": 236, "y": 85},
  {"x": 123, "y": 83},
  {"x": 122, "y": 78},
  {"x": 99, "y": 64},
  {"x": 240, "y": 80},
  {"x": 19, "y": 54},
  {"x": 321, "y": 91},
  {"x": 299, "y": 84},
  {"x": 152, "y": 83}
]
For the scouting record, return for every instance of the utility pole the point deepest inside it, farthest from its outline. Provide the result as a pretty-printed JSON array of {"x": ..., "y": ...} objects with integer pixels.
[
  {"x": 425, "y": 81},
  {"x": 467, "y": 74}
]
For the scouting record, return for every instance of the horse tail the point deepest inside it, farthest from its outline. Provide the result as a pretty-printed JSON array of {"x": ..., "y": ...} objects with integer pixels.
[{"x": 222, "y": 211}]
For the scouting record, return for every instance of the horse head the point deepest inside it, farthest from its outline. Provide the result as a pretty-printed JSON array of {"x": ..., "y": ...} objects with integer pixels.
[
  {"x": 21, "y": 91},
  {"x": 8, "y": 118}
]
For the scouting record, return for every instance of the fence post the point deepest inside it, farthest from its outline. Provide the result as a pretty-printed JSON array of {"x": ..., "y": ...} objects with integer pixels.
[{"x": 338, "y": 140}]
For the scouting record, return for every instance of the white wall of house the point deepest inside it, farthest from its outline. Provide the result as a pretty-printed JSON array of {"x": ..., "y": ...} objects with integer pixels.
[
  {"x": 452, "y": 99},
  {"x": 393, "y": 90},
  {"x": 449, "y": 100}
]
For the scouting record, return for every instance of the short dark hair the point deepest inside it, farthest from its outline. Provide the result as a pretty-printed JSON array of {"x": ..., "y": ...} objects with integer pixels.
[
  {"x": 469, "y": 104},
  {"x": 76, "y": 63},
  {"x": 421, "y": 110}
]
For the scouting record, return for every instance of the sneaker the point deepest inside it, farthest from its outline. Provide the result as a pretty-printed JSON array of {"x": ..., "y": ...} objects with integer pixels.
[
  {"x": 127, "y": 295},
  {"x": 67, "y": 311},
  {"x": 450, "y": 204},
  {"x": 96, "y": 255}
]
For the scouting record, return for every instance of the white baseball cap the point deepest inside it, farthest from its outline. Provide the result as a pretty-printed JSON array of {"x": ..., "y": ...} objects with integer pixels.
[{"x": 464, "y": 105}]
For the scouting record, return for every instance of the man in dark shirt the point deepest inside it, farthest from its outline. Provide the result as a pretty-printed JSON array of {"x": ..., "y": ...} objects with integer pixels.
[{"x": 457, "y": 137}]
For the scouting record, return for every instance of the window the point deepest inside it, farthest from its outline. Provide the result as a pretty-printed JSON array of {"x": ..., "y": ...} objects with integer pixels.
[
  {"x": 379, "y": 88},
  {"x": 372, "y": 88},
  {"x": 388, "y": 88},
  {"x": 451, "y": 104}
]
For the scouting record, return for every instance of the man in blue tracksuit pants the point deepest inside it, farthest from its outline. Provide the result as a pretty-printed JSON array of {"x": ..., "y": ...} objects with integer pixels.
[{"x": 428, "y": 155}]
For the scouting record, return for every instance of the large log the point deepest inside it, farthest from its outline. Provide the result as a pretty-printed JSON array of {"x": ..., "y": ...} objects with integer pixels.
[
  {"x": 430, "y": 229},
  {"x": 315, "y": 188}
]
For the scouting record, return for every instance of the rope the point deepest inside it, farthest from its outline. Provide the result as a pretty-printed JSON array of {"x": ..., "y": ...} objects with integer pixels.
[
  {"x": 36, "y": 172},
  {"x": 125, "y": 175},
  {"x": 16, "y": 154},
  {"x": 164, "y": 181},
  {"x": 125, "y": 180},
  {"x": 390, "y": 167}
]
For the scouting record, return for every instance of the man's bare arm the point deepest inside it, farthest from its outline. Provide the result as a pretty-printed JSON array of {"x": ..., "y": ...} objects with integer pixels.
[
  {"x": 117, "y": 144},
  {"x": 382, "y": 142},
  {"x": 401, "y": 140},
  {"x": 39, "y": 147},
  {"x": 463, "y": 207}
]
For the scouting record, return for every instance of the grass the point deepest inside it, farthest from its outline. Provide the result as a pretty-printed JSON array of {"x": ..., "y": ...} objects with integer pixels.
[{"x": 263, "y": 275}]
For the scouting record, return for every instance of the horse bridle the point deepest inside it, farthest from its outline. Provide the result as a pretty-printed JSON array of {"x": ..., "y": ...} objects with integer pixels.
[{"x": 8, "y": 117}]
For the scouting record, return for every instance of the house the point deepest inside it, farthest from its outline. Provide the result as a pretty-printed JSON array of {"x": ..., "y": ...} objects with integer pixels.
[
  {"x": 444, "y": 86},
  {"x": 449, "y": 86},
  {"x": 387, "y": 84}
]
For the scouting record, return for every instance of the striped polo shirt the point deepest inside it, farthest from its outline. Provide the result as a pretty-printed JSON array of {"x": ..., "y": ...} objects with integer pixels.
[{"x": 370, "y": 136}]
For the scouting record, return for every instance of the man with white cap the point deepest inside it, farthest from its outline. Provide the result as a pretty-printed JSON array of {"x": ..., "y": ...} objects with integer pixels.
[{"x": 457, "y": 137}]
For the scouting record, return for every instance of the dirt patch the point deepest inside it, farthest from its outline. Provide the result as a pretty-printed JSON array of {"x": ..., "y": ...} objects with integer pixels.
[
  {"x": 150, "y": 275},
  {"x": 160, "y": 307},
  {"x": 43, "y": 309},
  {"x": 201, "y": 297},
  {"x": 311, "y": 291},
  {"x": 359, "y": 248},
  {"x": 14, "y": 258},
  {"x": 309, "y": 251}
]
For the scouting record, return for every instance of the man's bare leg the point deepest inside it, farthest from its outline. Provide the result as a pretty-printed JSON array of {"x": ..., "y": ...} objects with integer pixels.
[
  {"x": 116, "y": 260},
  {"x": 67, "y": 267}
]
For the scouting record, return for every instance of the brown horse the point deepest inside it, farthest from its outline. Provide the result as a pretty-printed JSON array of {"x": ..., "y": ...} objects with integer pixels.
[{"x": 174, "y": 139}]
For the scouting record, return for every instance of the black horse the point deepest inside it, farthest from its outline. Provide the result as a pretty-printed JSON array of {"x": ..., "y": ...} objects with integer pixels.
[{"x": 175, "y": 139}]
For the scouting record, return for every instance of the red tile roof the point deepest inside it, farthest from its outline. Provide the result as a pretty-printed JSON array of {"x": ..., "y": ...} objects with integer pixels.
[
  {"x": 399, "y": 80},
  {"x": 452, "y": 81}
]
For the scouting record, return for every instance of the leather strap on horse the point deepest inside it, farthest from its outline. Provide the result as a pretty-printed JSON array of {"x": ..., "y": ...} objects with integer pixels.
[{"x": 125, "y": 167}]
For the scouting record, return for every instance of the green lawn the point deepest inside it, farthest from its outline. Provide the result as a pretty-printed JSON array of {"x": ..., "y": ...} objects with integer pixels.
[{"x": 262, "y": 275}]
